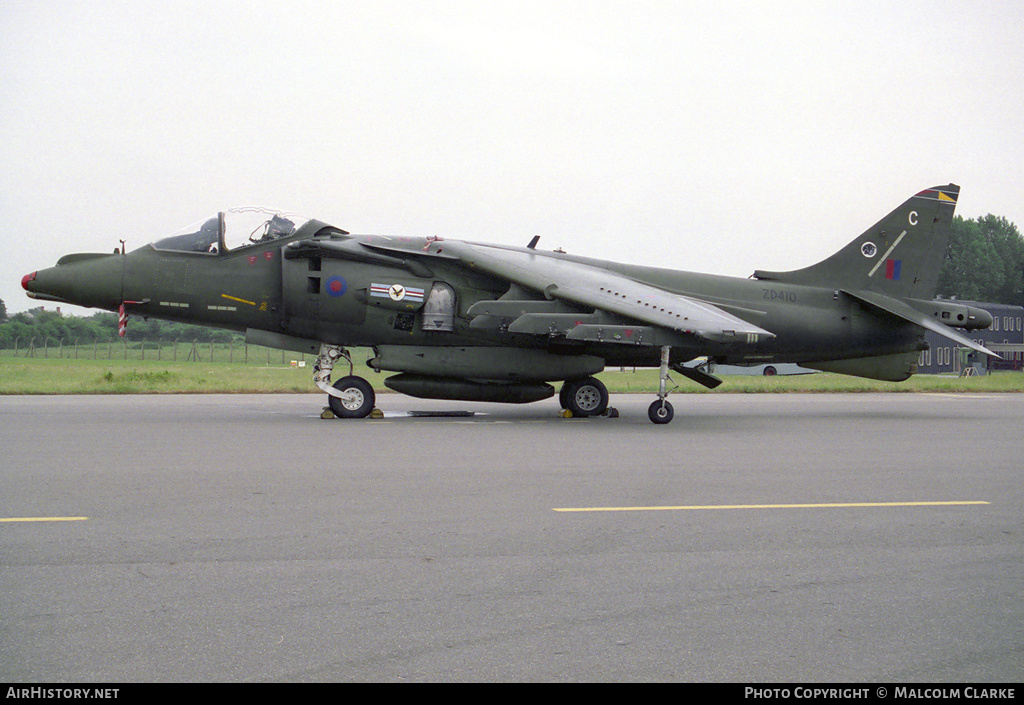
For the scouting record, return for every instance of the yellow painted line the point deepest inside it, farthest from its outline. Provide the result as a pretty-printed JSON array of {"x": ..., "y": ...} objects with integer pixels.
[
  {"x": 241, "y": 301},
  {"x": 766, "y": 506},
  {"x": 14, "y": 519}
]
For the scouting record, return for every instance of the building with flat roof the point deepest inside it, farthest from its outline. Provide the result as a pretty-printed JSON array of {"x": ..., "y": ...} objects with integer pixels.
[{"x": 1005, "y": 337}]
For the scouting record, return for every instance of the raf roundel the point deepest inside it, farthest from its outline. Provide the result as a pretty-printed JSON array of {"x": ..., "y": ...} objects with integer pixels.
[{"x": 336, "y": 286}]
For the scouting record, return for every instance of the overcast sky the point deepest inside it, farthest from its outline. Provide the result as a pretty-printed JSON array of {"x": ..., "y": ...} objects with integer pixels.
[{"x": 711, "y": 136}]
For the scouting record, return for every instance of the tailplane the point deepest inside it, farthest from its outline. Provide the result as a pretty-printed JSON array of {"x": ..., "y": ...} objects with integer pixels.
[{"x": 900, "y": 256}]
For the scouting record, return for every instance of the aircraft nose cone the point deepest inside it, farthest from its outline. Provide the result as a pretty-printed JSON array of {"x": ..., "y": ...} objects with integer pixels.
[{"x": 85, "y": 279}]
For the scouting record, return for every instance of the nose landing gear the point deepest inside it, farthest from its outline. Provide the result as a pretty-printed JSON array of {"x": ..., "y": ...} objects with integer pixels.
[{"x": 350, "y": 397}]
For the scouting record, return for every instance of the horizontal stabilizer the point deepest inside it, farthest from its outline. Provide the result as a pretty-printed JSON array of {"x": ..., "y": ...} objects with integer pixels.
[{"x": 901, "y": 310}]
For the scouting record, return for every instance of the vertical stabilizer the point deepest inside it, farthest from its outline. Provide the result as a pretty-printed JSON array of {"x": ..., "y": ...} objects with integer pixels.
[{"x": 900, "y": 256}]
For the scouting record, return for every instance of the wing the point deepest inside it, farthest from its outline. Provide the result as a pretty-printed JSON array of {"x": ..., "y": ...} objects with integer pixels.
[
  {"x": 595, "y": 287},
  {"x": 662, "y": 317}
]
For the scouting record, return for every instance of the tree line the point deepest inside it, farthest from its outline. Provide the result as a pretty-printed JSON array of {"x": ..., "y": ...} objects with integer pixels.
[
  {"x": 984, "y": 261},
  {"x": 43, "y": 325}
]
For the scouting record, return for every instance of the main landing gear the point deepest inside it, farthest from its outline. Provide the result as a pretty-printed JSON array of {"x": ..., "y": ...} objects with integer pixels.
[
  {"x": 585, "y": 397},
  {"x": 353, "y": 397},
  {"x": 350, "y": 397},
  {"x": 589, "y": 397}
]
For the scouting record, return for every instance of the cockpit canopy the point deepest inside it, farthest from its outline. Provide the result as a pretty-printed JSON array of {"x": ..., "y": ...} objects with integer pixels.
[{"x": 231, "y": 230}]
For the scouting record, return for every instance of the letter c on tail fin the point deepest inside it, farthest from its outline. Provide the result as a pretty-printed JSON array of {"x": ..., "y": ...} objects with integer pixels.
[{"x": 899, "y": 256}]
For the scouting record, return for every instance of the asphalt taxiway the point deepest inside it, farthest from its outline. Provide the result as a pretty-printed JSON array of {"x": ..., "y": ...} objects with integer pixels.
[{"x": 860, "y": 537}]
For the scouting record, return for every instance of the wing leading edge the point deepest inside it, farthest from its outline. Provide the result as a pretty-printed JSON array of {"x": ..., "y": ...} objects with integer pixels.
[{"x": 595, "y": 287}]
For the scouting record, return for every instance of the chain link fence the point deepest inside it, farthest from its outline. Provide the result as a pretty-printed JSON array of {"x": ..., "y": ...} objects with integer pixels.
[{"x": 238, "y": 352}]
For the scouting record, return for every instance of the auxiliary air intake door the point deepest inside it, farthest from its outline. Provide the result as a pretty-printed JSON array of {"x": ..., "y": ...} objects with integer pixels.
[{"x": 439, "y": 311}]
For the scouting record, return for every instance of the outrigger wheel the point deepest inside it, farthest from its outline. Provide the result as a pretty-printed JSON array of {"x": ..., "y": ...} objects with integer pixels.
[
  {"x": 584, "y": 397},
  {"x": 660, "y": 412}
]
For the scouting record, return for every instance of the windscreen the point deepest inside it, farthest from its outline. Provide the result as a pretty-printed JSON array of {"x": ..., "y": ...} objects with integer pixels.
[
  {"x": 201, "y": 236},
  {"x": 245, "y": 227},
  {"x": 242, "y": 227}
]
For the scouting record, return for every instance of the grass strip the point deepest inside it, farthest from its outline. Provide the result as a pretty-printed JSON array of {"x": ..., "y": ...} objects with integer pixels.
[{"x": 69, "y": 376}]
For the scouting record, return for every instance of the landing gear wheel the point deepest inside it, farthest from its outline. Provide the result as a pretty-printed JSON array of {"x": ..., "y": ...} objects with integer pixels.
[
  {"x": 563, "y": 395},
  {"x": 359, "y": 399},
  {"x": 584, "y": 397},
  {"x": 660, "y": 412}
]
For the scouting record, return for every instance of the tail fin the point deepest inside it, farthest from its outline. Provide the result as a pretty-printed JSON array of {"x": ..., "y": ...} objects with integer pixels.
[{"x": 900, "y": 256}]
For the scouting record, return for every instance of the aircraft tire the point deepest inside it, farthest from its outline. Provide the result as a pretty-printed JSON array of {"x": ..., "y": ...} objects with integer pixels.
[
  {"x": 563, "y": 395},
  {"x": 362, "y": 403},
  {"x": 660, "y": 412},
  {"x": 584, "y": 397}
]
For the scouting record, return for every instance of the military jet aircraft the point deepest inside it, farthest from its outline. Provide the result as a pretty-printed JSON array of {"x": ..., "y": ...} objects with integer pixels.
[{"x": 477, "y": 322}]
